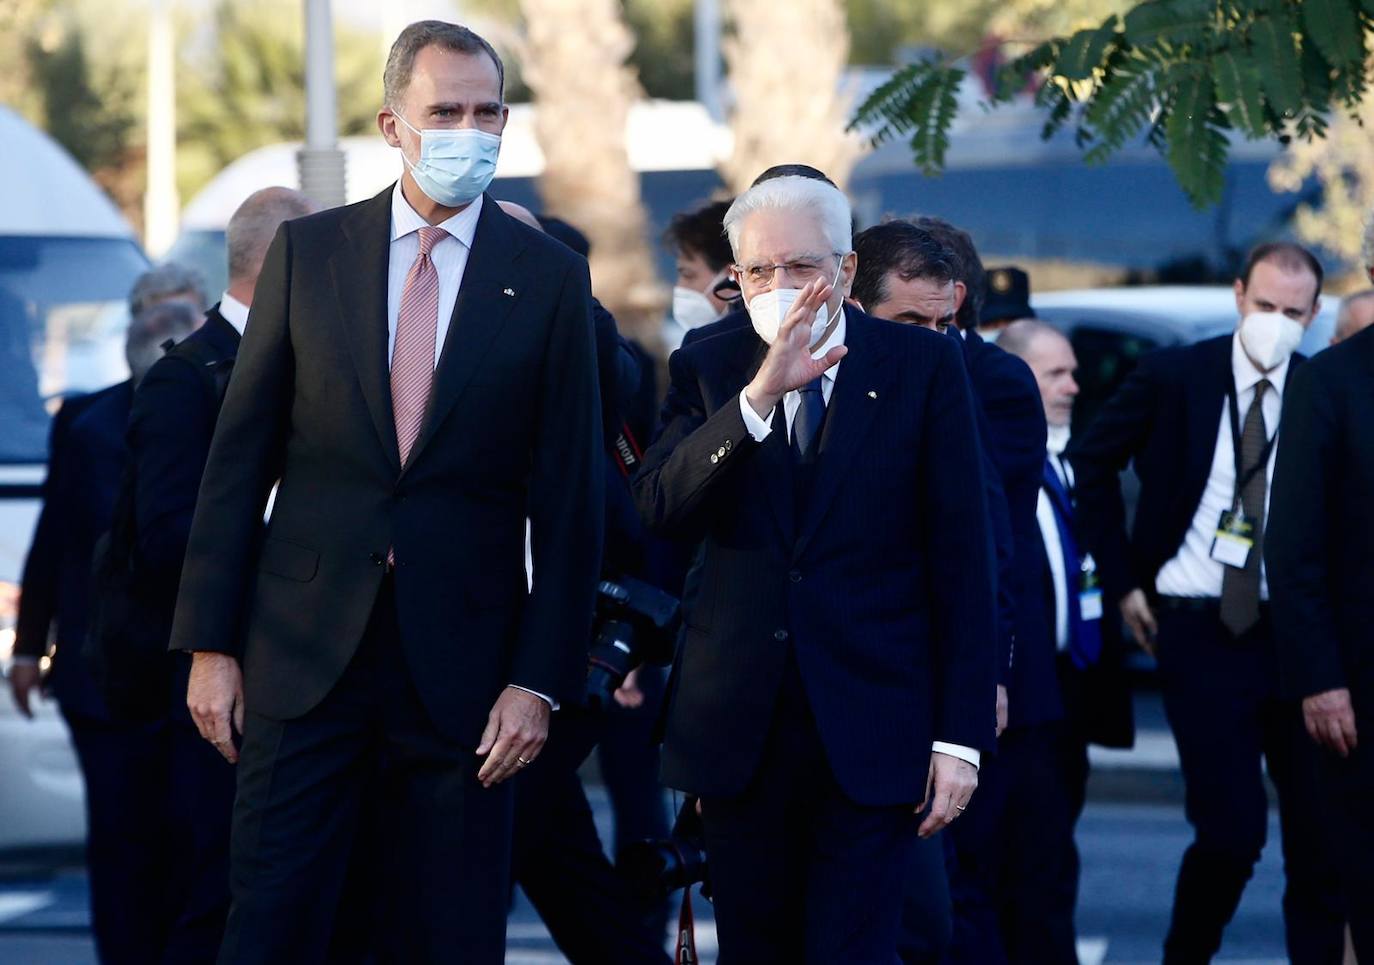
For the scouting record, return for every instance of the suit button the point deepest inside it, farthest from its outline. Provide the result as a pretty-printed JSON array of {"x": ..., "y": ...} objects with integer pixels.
[
  {"x": 721, "y": 452},
  {"x": 780, "y": 635},
  {"x": 377, "y": 558},
  {"x": 714, "y": 458},
  {"x": 728, "y": 445},
  {"x": 795, "y": 576}
]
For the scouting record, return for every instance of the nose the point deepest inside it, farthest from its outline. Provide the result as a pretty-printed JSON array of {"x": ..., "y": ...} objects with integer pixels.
[{"x": 1072, "y": 388}]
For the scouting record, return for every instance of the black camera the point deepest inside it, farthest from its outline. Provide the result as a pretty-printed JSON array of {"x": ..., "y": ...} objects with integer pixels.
[
  {"x": 655, "y": 869},
  {"x": 635, "y": 623}
]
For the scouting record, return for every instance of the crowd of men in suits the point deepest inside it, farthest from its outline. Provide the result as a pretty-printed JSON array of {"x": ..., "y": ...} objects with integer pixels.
[{"x": 908, "y": 585}]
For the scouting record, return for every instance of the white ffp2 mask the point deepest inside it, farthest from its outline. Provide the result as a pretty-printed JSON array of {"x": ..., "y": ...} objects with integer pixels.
[
  {"x": 1269, "y": 338},
  {"x": 766, "y": 311}
]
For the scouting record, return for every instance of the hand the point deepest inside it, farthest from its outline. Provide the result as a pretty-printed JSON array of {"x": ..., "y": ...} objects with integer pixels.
[
  {"x": 24, "y": 680},
  {"x": 1135, "y": 610},
  {"x": 788, "y": 364},
  {"x": 215, "y": 699},
  {"x": 1330, "y": 719},
  {"x": 949, "y": 786},
  {"x": 516, "y": 730},
  {"x": 1001, "y": 709},
  {"x": 628, "y": 694}
]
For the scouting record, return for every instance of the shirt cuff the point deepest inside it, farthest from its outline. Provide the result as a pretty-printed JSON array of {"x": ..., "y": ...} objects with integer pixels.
[
  {"x": 957, "y": 750},
  {"x": 758, "y": 428},
  {"x": 553, "y": 704},
  {"x": 24, "y": 660}
]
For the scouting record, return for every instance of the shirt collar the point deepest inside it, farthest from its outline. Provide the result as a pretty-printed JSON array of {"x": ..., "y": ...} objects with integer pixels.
[
  {"x": 234, "y": 311},
  {"x": 836, "y": 338},
  {"x": 1247, "y": 376},
  {"x": 1057, "y": 439},
  {"x": 405, "y": 219}
]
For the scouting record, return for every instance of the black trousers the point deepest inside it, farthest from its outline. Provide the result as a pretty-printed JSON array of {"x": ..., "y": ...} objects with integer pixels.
[
  {"x": 558, "y": 860},
  {"x": 305, "y": 786},
  {"x": 629, "y": 757},
  {"x": 1349, "y": 786},
  {"x": 1221, "y": 698},
  {"x": 1013, "y": 864},
  {"x": 799, "y": 872}
]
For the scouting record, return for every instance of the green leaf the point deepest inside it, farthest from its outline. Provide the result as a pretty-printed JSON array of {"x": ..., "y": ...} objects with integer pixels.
[
  {"x": 1197, "y": 148},
  {"x": 938, "y": 102},
  {"x": 1013, "y": 77},
  {"x": 1174, "y": 21},
  {"x": 1334, "y": 26},
  {"x": 1274, "y": 46},
  {"x": 888, "y": 107},
  {"x": 1120, "y": 108},
  {"x": 1240, "y": 91},
  {"x": 1085, "y": 51}
]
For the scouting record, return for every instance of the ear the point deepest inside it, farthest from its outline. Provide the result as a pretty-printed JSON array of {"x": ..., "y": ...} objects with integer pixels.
[
  {"x": 386, "y": 123},
  {"x": 849, "y": 268},
  {"x": 960, "y": 293},
  {"x": 1240, "y": 297}
]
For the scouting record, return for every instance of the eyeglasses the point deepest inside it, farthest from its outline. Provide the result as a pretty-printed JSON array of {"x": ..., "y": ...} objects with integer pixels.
[{"x": 803, "y": 271}]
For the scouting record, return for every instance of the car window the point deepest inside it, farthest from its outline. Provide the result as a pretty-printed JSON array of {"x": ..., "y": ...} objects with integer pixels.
[{"x": 1105, "y": 357}]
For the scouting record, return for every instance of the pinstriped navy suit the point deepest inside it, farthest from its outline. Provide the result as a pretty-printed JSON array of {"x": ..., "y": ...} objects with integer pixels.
[{"x": 831, "y": 642}]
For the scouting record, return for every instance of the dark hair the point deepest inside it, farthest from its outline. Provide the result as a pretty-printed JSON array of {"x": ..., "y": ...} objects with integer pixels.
[
  {"x": 899, "y": 247},
  {"x": 560, "y": 230},
  {"x": 1288, "y": 256},
  {"x": 968, "y": 267},
  {"x": 421, "y": 34},
  {"x": 793, "y": 171},
  {"x": 702, "y": 232}
]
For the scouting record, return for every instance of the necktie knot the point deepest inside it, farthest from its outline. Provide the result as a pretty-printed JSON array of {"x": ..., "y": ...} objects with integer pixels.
[
  {"x": 1262, "y": 386},
  {"x": 429, "y": 237},
  {"x": 814, "y": 386}
]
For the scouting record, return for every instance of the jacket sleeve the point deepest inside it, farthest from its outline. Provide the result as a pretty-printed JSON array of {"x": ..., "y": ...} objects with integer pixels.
[
  {"x": 692, "y": 454},
  {"x": 1099, "y": 456},
  {"x": 42, "y": 567},
  {"x": 244, "y": 461},
  {"x": 566, "y": 502},
  {"x": 1296, "y": 541},
  {"x": 960, "y": 547}
]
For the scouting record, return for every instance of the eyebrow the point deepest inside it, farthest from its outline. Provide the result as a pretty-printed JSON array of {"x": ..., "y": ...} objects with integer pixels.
[{"x": 459, "y": 105}]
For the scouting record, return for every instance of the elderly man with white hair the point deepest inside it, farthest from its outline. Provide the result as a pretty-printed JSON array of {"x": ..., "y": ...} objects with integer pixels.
[{"x": 836, "y": 686}]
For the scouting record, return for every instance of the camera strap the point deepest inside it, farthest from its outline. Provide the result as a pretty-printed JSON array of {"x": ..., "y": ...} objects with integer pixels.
[
  {"x": 686, "y": 951},
  {"x": 628, "y": 455}
]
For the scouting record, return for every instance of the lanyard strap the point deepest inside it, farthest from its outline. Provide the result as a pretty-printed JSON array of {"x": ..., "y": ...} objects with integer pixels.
[{"x": 1243, "y": 475}]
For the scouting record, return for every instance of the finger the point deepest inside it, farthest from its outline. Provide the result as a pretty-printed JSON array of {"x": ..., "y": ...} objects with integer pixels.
[
  {"x": 930, "y": 778},
  {"x": 499, "y": 752},
  {"x": 238, "y": 713},
  {"x": 223, "y": 738},
  {"x": 1336, "y": 736},
  {"x": 1147, "y": 618},
  {"x": 489, "y": 734},
  {"x": 1348, "y": 727},
  {"x": 832, "y": 356},
  {"x": 1313, "y": 727},
  {"x": 798, "y": 312},
  {"x": 939, "y": 816}
]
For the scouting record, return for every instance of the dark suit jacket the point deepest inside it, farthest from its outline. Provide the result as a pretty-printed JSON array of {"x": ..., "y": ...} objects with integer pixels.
[
  {"x": 1013, "y": 431},
  {"x": 85, "y": 463},
  {"x": 514, "y": 428},
  {"x": 1164, "y": 420},
  {"x": 1319, "y": 541},
  {"x": 731, "y": 322},
  {"x": 882, "y": 586}
]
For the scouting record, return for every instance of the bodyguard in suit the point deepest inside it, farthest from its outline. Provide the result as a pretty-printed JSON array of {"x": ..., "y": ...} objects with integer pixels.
[
  {"x": 420, "y": 377},
  {"x": 86, "y": 458},
  {"x": 837, "y": 671},
  {"x": 1320, "y": 555},
  {"x": 1198, "y": 423}
]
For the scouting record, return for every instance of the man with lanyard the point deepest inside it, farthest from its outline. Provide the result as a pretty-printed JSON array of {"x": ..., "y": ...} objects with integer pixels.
[{"x": 1198, "y": 424}]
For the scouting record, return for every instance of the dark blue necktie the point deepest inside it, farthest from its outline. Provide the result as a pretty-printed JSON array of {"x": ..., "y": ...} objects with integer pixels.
[
  {"x": 806, "y": 424},
  {"x": 1085, "y": 636}
]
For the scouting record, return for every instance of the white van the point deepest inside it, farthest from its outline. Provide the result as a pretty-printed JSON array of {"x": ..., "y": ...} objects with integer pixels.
[{"x": 67, "y": 262}]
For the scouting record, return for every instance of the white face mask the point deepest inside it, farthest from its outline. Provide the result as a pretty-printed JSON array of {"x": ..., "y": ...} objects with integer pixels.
[
  {"x": 1269, "y": 338},
  {"x": 456, "y": 165},
  {"x": 691, "y": 308},
  {"x": 767, "y": 311}
]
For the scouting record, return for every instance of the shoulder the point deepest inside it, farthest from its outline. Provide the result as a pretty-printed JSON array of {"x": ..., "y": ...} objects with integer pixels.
[
  {"x": 1000, "y": 366},
  {"x": 910, "y": 341},
  {"x": 726, "y": 323}
]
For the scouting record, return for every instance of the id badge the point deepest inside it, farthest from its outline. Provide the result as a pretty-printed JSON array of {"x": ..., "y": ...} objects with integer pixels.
[
  {"x": 1089, "y": 591},
  {"x": 1235, "y": 538}
]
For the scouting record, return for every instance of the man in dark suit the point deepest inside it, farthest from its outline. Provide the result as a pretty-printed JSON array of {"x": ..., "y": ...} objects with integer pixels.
[
  {"x": 1320, "y": 554},
  {"x": 1198, "y": 424},
  {"x": 838, "y": 666},
  {"x": 86, "y": 459},
  {"x": 420, "y": 375}
]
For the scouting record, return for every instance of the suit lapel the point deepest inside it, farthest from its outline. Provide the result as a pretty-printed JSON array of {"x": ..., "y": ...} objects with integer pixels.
[
  {"x": 360, "y": 268},
  {"x": 491, "y": 288},
  {"x": 774, "y": 462},
  {"x": 853, "y": 406},
  {"x": 1207, "y": 391}
]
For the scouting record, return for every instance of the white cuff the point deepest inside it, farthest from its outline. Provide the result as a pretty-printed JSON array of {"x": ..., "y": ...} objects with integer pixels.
[
  {"x": 553, "y": 704},
  {"x": 758, "y": 428},
  {"x": 957, "y": 750}
]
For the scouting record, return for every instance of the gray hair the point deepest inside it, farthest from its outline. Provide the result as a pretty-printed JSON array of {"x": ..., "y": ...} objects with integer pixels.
[
  {"x": 253, "y": 226},
  {"x": 792, "y": 193},
  {"x": 151, "y": 328},
  {"x": 421, "y": 34},
  {"x": 164, "y": 281},
  {"x": 1018, "y": 337},
  {"x": 1343, "y": 319}
]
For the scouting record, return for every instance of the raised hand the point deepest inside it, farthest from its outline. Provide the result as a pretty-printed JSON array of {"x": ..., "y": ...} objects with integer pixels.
[{"x": 789, "y": 364}]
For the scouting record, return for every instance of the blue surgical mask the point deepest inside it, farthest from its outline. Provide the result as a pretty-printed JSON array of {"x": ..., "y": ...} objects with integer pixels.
[{"x": 455, "y": 165}]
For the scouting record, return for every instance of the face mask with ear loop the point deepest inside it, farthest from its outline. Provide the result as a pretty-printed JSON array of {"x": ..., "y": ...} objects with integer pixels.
[
  {"x": 456, "y": 165},
  {"x": 766, "y": 311}
]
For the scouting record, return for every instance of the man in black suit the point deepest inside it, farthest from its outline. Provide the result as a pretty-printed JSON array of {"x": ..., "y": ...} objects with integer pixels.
[
  {"x": 1320, "y": 554},
  {"x": 837, "y": 670},
  {"x": 85, "y": 463},
  {"x": 420, "y": 375},
  {"x": 1198, "y": 424}
]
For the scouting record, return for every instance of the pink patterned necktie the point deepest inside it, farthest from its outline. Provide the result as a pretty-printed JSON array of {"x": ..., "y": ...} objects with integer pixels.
[{"x": 412, "y": 358}]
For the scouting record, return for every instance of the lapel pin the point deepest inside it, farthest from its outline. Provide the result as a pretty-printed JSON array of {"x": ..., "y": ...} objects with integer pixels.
[
  {"x": 872, "y": 394},
  {"x": 508, "y": 291}
]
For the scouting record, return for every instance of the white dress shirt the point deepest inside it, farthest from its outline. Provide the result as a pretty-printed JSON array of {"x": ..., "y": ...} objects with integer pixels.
[
  {"x": 1049, "y": 532},
  {"x": 1193, "y": 572},
  {"x": 234, "y": 311},
  {"x": 760, "y": 428},
  {"x": 450, "y": 257}
]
